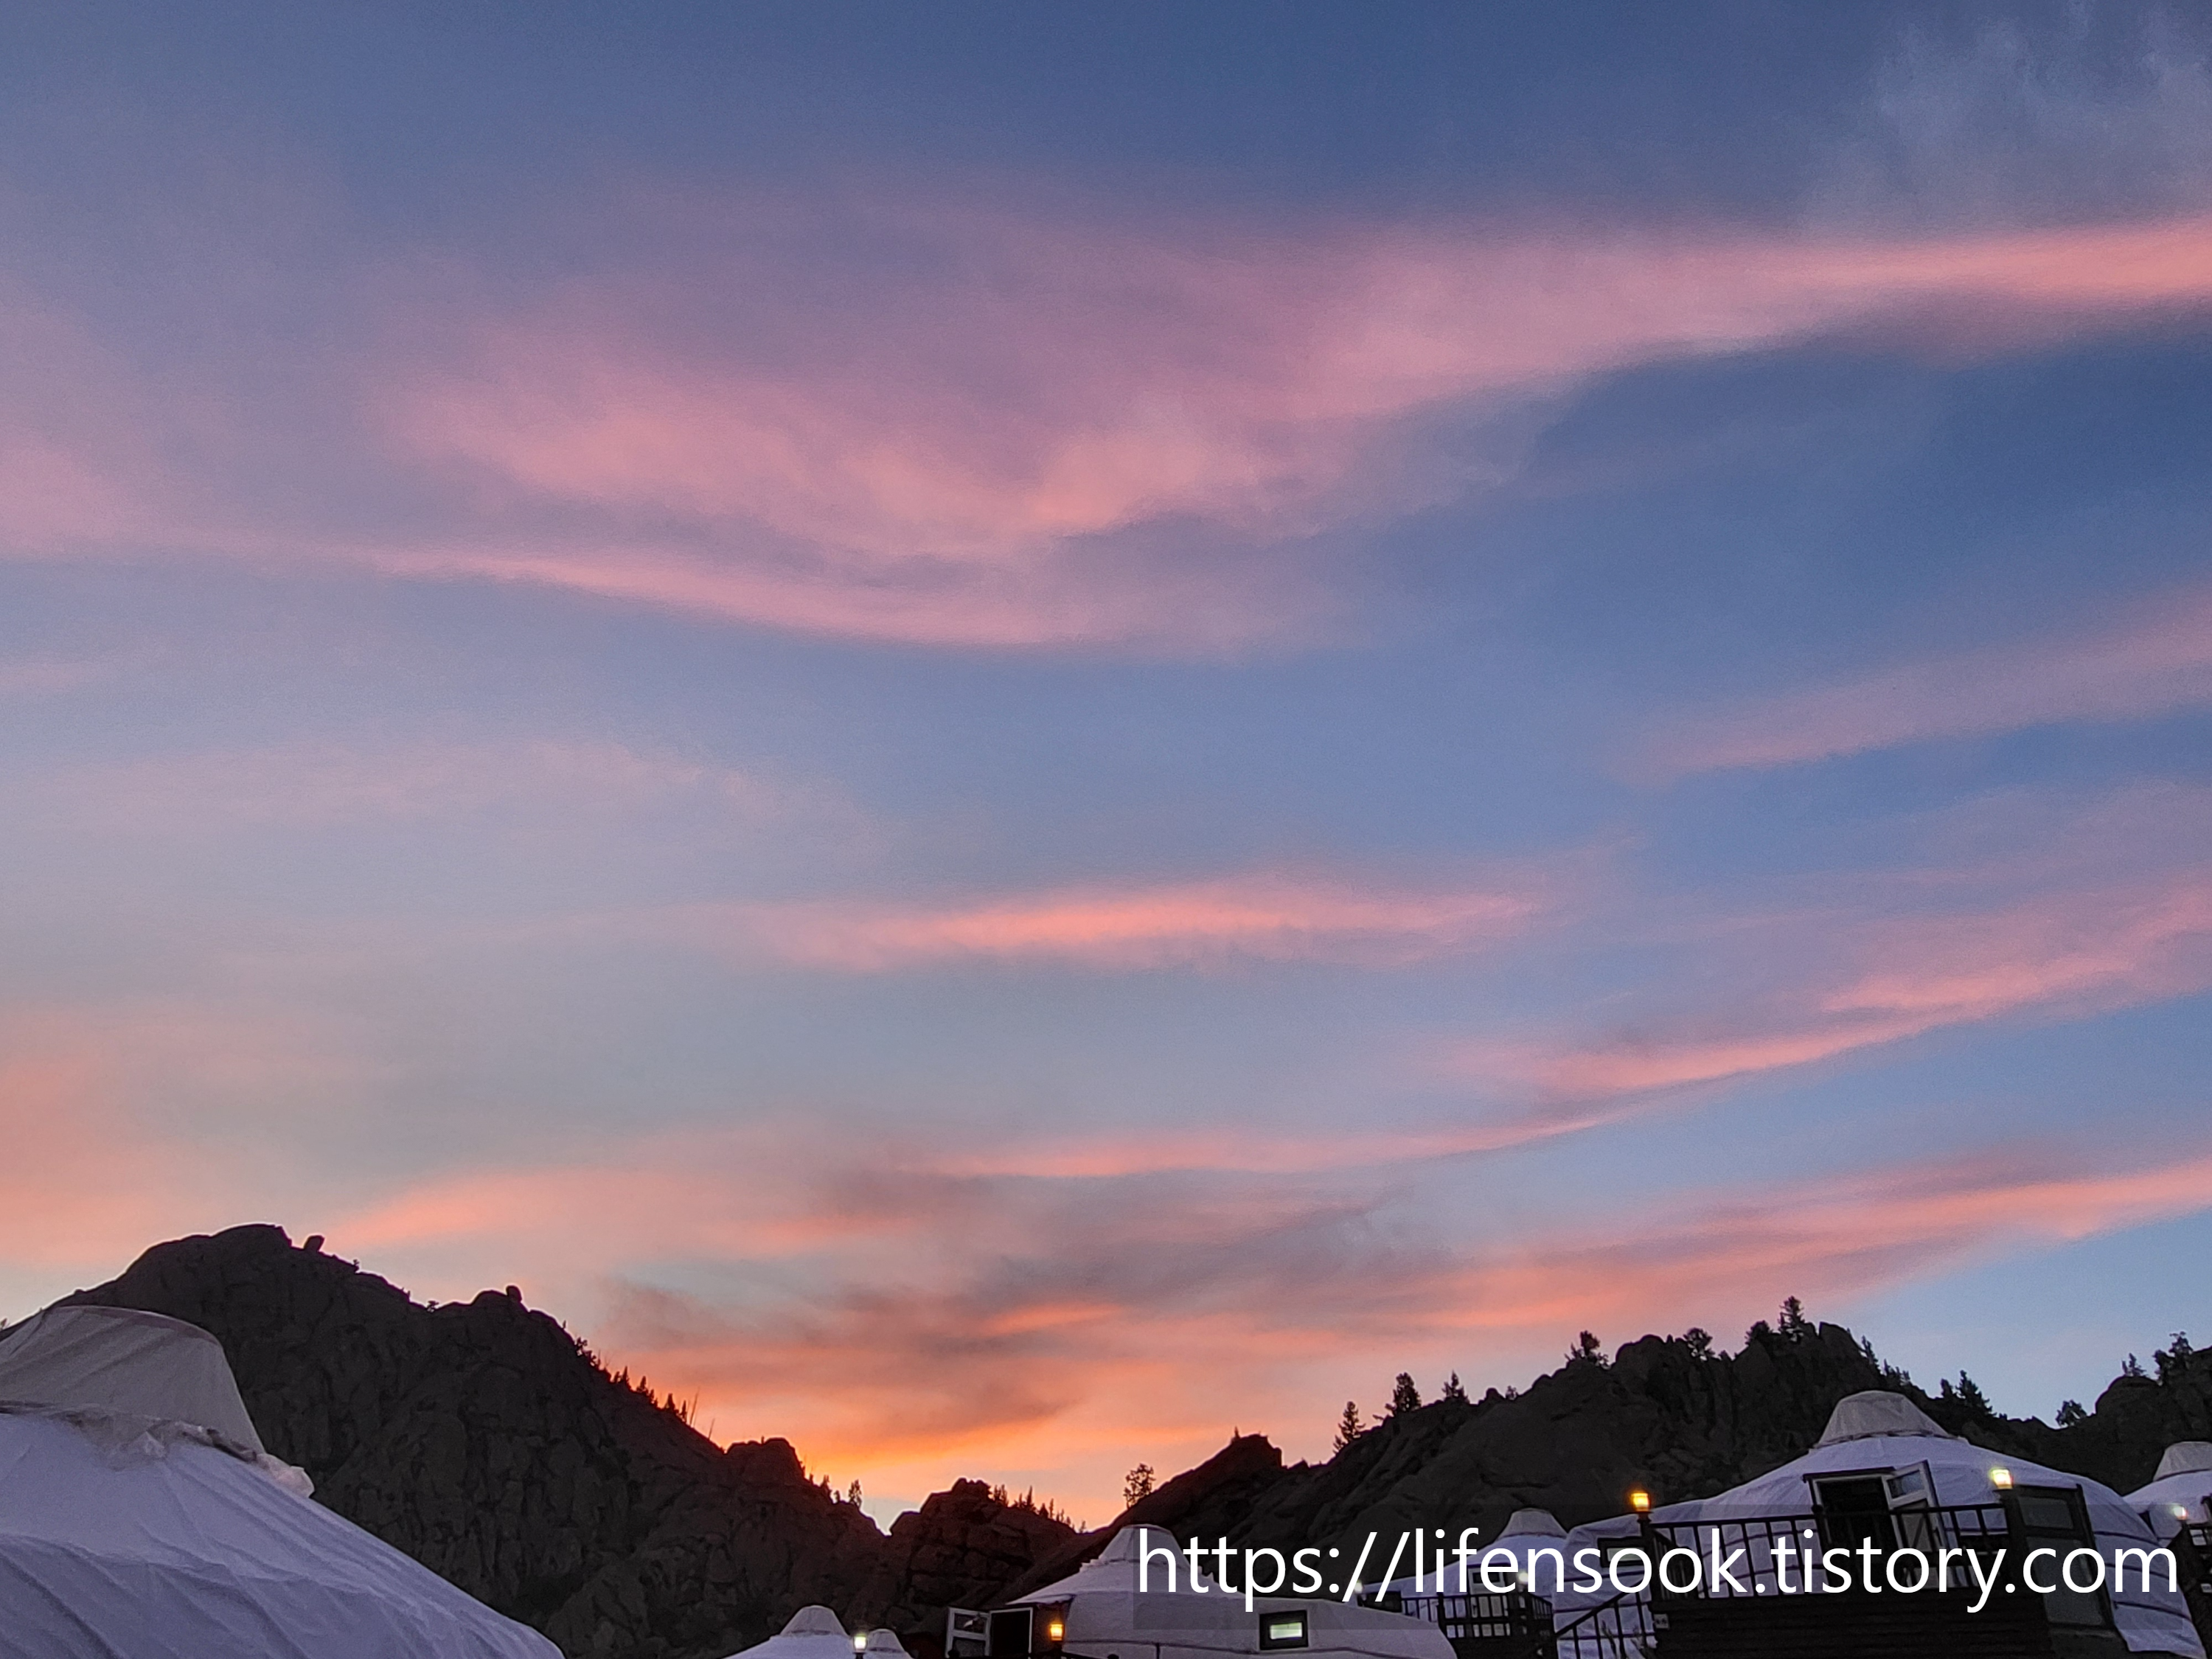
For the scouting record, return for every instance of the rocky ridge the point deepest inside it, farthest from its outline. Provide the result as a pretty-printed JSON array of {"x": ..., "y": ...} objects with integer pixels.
[{"x": 487, "y": 1443}]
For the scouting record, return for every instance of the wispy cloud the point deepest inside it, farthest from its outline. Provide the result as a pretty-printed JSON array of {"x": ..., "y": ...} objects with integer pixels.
[
  {"x": 2156, "y": 662},
  {"x": 1263, "y": 917},
  {"x": 971, "y": 468},
  {"x": 2110, "y": 906},
  {"x": 994, "y": 428},
  {"x": 1069, "y": 1317}
]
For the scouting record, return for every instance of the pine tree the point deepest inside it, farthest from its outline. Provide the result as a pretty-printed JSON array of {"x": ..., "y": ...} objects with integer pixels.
[
  {"x": 1970, "y": 1395},
  {"x": 2132, "y": 1368},
  {"x": 2173, "y": 1363},
  {"x": 1349, "y": 1428},
  {"x": 1587, "y": 1350},
  {"x": 2071, "y": 1414},
  {"x": 1699, "y": 1342},
  {"x": 1795, "y": 1326},
  {"x": 1136, "y": 1486},
  {"x": 1404, "y": 1396},
  {"x": 852, "y": 1495},
  {"x": 1454, "y": 1390}
]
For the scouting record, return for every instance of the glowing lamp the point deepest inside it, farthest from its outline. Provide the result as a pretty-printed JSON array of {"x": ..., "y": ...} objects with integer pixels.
[
  {"x": 859, "y": 1643},
  {"x": 2001, "y": 1479},
  {"x": 1640, "y": 1501},
  {"x": 2181, "y": 1511},
  {"x": 1055, "y": 1630}
]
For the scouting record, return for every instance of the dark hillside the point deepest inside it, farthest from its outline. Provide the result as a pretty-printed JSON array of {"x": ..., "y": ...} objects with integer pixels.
[
  {"x": 1681, "y": 1418},
  {"x": 486, "y": 1442}
]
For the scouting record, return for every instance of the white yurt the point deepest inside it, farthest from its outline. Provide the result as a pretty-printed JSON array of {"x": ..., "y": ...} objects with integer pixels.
[
  {"x": 1103, "y": 1615},
  {"x": 884, "y": 1644},
  {"x": 1885, "y": 1445},
  {"x": 140, "y": 1518},
  {"x": 1526, "y": 1534},
  {"x": 2181, "y": 1490},
  {"x": 812, "y": 1632}
]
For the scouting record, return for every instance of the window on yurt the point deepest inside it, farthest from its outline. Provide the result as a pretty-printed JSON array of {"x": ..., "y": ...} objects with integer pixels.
[
  {"x": 1890, "y": 1506},
  {"x": 1854, "y": 1508},
  {"x": 1282, "y": 1630}
]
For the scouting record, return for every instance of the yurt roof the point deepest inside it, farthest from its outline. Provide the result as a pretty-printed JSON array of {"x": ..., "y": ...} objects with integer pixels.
[
  {"x": 1532, "y": 1523},
  {"x": 1878, "y": 1411},
  {"x": 2186, "y": 1457},
  {"x": 189, "y": 1550},
  {"x": 812, "y": 1632},
  {"x": 126, "y": 1361}
]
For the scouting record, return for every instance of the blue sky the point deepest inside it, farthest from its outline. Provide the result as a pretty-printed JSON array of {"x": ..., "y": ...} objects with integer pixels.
[{"x": 1008, "y": 734}]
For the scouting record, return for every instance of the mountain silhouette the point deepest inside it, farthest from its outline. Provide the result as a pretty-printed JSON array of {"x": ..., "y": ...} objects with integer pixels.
[{"x": 492, "y": 1445}]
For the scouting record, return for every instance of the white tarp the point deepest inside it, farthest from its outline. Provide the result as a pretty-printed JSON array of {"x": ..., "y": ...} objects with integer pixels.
[
  {"x": 812, "y": 1632},
  {"x": 2181, "y": 1491},
  {"x": 1526, "y": 1531},
  {"x": 129, "y": 1363},
  {"x": 2156, "y": 1621},
  {"x": 1107, "y": 1613},
  {"x": 130, "y": 1527}
]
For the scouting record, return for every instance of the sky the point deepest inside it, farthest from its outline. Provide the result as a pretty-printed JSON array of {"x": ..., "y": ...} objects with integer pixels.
[{"x": 1005, "y": 735}]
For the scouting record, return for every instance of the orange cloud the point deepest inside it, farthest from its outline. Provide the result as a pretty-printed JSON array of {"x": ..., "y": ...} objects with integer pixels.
[
  {"x": 1264, "y": 917},
  {"x": 2156, "y": 662},
  {"x": 1064, "y": 1326}
]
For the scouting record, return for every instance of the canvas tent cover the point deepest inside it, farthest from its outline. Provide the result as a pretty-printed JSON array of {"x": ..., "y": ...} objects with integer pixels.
[
  {"x": 1525, "y": 1531},
  {"x": 812, "y": 1632},
  {"x": 2181, "y": 1491},
  {"x": 127, "y": 1362},
  {"x": 1106, "y": 1608},
  {"x": 130, "y": 1527},
  {"x": 1857, "y": 1441}
]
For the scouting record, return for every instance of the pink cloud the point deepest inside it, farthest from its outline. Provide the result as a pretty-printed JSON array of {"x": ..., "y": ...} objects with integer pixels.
[
  {"x": 2074, "y": 950},
  {"x": 2153, "y": 663},
  {"x": 990, "y": 428},
  {"x": 937, "y": 458},
  {"x": 1269, "y": 917}
]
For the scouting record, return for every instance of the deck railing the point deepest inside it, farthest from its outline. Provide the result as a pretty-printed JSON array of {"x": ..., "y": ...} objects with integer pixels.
[{"x": 1978, "y": 1529}]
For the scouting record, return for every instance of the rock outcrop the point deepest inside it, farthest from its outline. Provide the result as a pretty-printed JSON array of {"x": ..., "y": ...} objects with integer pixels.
[{"x": 487, "y": 1443}]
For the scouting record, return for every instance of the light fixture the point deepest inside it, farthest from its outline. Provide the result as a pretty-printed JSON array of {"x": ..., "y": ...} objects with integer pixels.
[
  {"x": 2001, "y": 1479},
  {"x": 1640, "y": 1501},
  {"x": 2181, "y": 1511},
  {"x": 859, "y": 1643},
  {"x": 1055, "y": 1629}
]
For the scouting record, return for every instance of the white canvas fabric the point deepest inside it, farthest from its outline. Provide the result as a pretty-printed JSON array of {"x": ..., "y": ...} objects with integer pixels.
[
  {"x": 130, "y": 1363},
  {"x": 1878, "y": 1411},
  {"x": 2149, "y": 1622},
  {"x": 1107, "y": 1613},
  {"x": 2180, "y": 1492},
  {"x": 812, "y": 1632},
  {"x": 1525, "y": 1532},
  {"x": 2186, "y": 1457},
  {"x": 195, "y": 1554},
  {"x": 885, "y": 1644}
]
